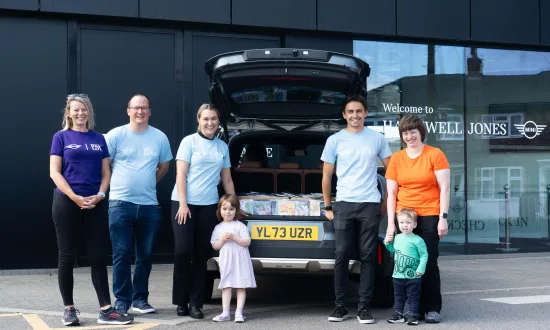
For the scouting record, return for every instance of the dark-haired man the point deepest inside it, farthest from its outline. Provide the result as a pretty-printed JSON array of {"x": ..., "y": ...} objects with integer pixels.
[{"x": 356, "y": 213}]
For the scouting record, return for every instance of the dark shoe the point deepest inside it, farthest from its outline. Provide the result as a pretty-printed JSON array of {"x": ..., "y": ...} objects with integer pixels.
[
  {"x": 412, "y": 319},
  {"x": 339, "y": 314},
  {"x": 195, "y": 312},
  {"x": 182, "y": 310},
  {"x": 122, "y": 309},
  {"x": 364, "y": 316},
  {"x": 69, "y": 317},
  {"x": 142, "y": 307},
  {"x": 396, "y": 317},
  {"x": 112, "y": 316}
]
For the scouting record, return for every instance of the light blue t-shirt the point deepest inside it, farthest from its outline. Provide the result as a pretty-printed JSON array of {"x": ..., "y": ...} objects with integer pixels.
[
  {"x": 356, "y": 156},
  {"x": 206, "y": 159},
  {"x": 134, "y": 161}
]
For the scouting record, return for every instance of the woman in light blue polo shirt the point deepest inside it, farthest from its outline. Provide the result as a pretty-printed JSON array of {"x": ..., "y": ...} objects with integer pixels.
[{"x": 201, "y": 162}]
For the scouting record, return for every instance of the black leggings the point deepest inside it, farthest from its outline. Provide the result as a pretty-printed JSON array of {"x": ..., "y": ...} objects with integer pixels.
[
  {"x": 70, "y": 224},
  {"x": 192, "y": 243}
]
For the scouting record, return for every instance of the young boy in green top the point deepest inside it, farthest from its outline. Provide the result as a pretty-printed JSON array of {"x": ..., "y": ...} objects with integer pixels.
[{"x": 410, "y": 258}]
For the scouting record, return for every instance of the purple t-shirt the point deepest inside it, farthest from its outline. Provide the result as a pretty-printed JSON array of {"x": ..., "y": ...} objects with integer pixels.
[{"x": 82, "y": 155}]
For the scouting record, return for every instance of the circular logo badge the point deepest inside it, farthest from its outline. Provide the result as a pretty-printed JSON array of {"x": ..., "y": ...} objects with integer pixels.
[{"x": 530, "y": 130}]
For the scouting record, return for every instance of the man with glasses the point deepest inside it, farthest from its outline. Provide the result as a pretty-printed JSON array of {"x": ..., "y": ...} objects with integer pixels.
[{"x": 140, "y": 156}]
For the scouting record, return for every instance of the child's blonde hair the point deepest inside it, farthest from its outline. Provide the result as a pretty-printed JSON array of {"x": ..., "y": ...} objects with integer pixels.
[
  {"x": 234, "y": 201},
  {"x": 410, "y": 213}
]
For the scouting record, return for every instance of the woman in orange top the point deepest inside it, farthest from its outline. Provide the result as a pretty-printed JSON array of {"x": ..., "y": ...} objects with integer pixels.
[{"x": 418, "y": 177}]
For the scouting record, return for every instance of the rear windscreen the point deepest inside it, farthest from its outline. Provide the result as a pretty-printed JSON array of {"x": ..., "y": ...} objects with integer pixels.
[{"x": 294, "y": 94}]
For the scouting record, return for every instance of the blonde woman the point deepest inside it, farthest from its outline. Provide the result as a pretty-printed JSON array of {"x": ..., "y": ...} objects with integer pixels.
[
  {"x": 202, "y": 161},
  {"x": 79, "y": 167}
]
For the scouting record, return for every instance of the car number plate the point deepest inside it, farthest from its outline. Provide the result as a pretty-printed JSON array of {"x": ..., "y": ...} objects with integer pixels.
[{"x": 284, "y": 233}]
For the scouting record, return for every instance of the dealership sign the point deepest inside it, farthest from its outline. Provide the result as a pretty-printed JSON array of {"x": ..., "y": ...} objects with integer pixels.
[{"x": 529, "y": 129}]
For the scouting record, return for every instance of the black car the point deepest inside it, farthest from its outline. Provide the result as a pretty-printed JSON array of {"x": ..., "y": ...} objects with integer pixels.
[{"x": 277, "y": 108}]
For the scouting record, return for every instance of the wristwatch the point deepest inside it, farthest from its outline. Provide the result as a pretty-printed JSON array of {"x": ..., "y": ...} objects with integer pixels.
[
  {"x": 444, "y": 215},
  {"x": 328, "y": 208}
]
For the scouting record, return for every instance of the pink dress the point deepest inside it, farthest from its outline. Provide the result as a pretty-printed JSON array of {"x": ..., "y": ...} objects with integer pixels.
[{"x": 235, "y": 265}]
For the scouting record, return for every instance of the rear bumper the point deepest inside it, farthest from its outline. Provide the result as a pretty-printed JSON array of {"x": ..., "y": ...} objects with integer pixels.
[{"x": 290, "y": 265}]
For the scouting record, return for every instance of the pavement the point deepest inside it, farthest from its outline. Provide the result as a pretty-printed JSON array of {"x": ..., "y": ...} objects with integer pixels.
[{"x": 479, "y": 291}]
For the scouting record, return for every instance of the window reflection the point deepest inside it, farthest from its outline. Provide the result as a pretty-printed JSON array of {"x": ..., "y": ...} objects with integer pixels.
[{"x": 490, "y": 111}]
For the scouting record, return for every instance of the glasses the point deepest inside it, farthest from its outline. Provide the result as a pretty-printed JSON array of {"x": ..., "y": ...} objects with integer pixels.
[
  {"x": 71, "y": 96},
  {"x": 140, "y": 108}
]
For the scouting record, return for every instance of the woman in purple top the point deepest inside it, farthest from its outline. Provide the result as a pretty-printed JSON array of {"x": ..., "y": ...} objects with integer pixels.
[{"x": 80, "y": 169}]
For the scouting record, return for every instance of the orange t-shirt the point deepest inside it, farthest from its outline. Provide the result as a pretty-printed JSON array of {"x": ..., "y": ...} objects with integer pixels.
[{"x": 418, "y": 188}]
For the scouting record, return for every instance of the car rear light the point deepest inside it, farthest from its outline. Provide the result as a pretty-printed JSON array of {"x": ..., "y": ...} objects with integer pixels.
[{"x": 379, "y": 254}]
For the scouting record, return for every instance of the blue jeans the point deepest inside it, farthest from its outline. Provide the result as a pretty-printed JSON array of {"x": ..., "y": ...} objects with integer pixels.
[{"x": 126, "y": 220}]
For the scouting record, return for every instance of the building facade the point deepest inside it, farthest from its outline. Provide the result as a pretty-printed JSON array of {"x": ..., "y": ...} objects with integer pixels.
[{"x": 478, "y": 72}]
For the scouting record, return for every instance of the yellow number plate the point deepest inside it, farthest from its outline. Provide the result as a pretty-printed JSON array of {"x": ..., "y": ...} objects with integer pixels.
[{"x": 285, "y": 233}]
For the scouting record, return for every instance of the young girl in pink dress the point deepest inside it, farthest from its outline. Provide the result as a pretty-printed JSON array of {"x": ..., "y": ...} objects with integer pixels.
[{"x": 232, "y": 239}]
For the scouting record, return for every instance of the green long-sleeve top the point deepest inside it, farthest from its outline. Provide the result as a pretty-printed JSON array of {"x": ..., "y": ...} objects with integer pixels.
[{"x": 410, "y": 256}]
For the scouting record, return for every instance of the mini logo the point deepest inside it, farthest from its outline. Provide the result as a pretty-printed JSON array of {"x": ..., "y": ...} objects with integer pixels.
[
  {"x": 345, "y": 153},
  {"x": 530, "y": 130},
  {"x": 73, "y": 146}
]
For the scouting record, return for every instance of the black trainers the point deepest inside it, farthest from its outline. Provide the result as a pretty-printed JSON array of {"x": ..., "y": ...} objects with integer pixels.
[
  {"x": 339, "y": 314},
  {"x": 412, "y": 319},
  {"x": 112, "y": 316},
  {"x": 364, "y": 316},
  {"x": 69, "y": 317},
  {"x": 396, "y": 317}
]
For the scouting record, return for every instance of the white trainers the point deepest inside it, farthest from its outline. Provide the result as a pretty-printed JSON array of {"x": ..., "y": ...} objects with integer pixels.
[
  {"x": 239, "y": 319},
  {"x": 222, "y": 318}
]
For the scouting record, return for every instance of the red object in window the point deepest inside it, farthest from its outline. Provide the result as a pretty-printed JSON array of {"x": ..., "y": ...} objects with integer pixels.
[{"x": 379, "y": 254}]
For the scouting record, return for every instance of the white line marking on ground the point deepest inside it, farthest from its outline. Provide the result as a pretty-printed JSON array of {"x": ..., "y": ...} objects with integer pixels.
[
  {"x": 496, "y": 290},
  {"x": 521, "y": 300}
]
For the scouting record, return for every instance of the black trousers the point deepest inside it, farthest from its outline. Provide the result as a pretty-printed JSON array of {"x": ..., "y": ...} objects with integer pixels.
[
  {"x": 430, "y": 297},
  {"x": 355, "y": 227},
  {"x": 407, "y": 290},
  {"x": 71, "y": 226},
  {"x": 192, "y": 251}
]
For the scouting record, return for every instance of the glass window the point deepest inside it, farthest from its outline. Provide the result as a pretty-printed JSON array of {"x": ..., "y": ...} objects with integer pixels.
[
  {"x": 391, "y": 64},
  {"x": 507, "y": 147},
  {"x": 426, "y": 80},
  {"x": 288, "y": 94},
  {"x": 488, "y": 110}
]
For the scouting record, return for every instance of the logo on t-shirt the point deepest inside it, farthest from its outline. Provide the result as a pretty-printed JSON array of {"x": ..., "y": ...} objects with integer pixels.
[
  {"x": 344, "y": 152},
  {"x": 359, "y": 151},
  {"x": 95, "y": 147},
  {"x": 405, "y": 265},
  {"x": 73, "y": 146},
  {"x": 150, "y": 152},
  {"x": 213, "y": 154},
  {"x": 128, "y": 150}
]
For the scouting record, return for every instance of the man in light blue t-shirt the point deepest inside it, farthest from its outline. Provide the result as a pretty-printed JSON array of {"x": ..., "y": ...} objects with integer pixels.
[
  {"x": 140, "y": 156},
  {"x": 356, "y": 212}
]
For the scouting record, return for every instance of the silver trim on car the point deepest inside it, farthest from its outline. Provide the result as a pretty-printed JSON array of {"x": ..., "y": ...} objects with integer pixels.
[{"x": 291, "y": 265}]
